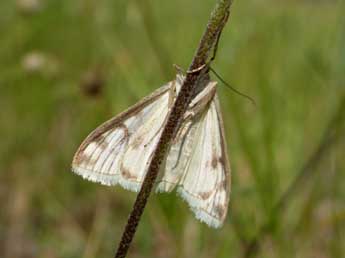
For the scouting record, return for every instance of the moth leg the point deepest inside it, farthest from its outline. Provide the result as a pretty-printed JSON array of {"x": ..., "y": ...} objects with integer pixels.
[{"x": 197, "y": 69}]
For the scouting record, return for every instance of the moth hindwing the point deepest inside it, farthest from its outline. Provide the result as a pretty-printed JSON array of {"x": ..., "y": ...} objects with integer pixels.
[{"x": 197, "y": 166}]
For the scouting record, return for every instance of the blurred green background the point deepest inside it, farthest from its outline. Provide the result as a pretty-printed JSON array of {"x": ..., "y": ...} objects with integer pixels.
[{"x": 67, "y": 66}]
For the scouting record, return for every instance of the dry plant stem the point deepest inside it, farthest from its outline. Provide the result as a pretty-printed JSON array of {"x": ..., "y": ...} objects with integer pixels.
[
  {"x": 214, "y": 27},
  {"x": 333, "y": 135}
]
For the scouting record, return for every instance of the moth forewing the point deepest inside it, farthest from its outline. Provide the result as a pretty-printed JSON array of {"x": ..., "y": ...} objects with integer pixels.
[
  {"x": 205, "y": 184},
  {"x": 100, "y": 157},
  {"x": 198, "y": 162},
  {"x": 180, "y": 150}
]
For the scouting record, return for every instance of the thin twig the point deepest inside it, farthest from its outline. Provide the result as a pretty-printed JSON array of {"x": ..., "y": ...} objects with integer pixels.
[
  {"x": 202, "y": 56},
  {"x": 332, "y": 135}
]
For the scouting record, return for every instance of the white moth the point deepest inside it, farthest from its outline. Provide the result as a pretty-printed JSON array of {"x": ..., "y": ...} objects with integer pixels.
[{"x": 120, "y": 150}]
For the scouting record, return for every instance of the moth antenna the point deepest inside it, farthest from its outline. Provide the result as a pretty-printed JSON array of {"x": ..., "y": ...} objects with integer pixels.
[
  {"x": 179, "y": 69},
  {"x": 232, "y": 88},
  {"x": 215, "y": 47}
]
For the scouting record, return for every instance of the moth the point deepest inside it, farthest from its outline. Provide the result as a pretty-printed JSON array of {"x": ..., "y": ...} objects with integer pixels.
[{"x": 196, "y": 165}]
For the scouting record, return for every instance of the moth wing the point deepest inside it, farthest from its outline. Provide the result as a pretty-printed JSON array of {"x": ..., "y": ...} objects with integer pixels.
[
  {"x": 198, "y": 164},
  {"x": 119, "y": 150}
]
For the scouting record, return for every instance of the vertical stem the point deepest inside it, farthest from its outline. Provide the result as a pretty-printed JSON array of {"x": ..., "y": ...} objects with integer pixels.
[{"x": 202, "y": 56}]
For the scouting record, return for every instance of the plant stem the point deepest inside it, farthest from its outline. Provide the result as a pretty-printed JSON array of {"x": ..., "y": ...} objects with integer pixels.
[{"x": 208, "y": 41}]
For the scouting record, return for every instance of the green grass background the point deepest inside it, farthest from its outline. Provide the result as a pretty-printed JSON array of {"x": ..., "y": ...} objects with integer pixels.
[{"x": 288, "y": 55}]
